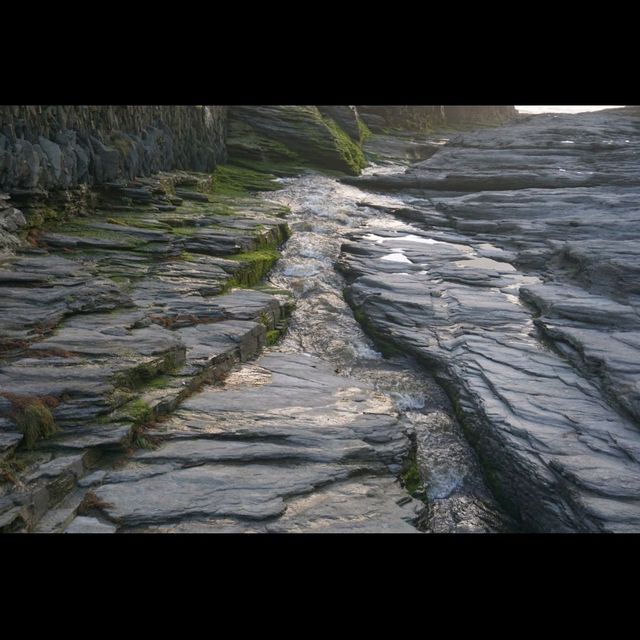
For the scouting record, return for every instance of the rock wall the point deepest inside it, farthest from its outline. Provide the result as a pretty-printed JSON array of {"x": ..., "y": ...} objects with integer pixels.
[
  {"x": 58, "y": 147},
  {"x": 425, "y": 117}
]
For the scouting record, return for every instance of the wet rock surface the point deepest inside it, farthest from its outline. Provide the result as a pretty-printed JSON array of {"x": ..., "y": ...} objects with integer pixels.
[
  {"x": 440, "y": 468},
  {"x": 321, "y": 434},
  {"x": 238, "y": 454},
  {"x": 515, "y": 279},
  {"x": 113, "y": 319},
  {"x": 456, "y": 355}
]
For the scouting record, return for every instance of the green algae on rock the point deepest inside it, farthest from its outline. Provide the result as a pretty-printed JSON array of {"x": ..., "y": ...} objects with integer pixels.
[
  {"x": 234, "y": 180},
  {"x": 302, "y": 129}
]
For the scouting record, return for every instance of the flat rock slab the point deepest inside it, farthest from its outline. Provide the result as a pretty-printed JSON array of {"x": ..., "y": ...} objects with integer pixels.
[
  {"x": 113, "y": 319},
  {"x": 518, "y": 284},
  {"x": 282, "y": 428}
]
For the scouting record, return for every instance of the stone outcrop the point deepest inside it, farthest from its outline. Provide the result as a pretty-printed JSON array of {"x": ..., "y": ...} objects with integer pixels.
[
  {"x": 347, "y": 118},
  {"x": 517, "y": 282},
  {"x": 59, "y": 147},
  {"x": 503, "y": 264},
  {"x": 429, "y": 117},
  {"x": 285, "y": 446},
  {"x": 111, "y": 319},
  {"x": 298, "y": 135}
]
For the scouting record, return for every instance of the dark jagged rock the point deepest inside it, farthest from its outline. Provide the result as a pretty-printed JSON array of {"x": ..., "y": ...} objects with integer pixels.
[
  {"x": 546, "y": 382},
  {"x": 405, "y": 149},
  {"x": 58, "y": 147}
]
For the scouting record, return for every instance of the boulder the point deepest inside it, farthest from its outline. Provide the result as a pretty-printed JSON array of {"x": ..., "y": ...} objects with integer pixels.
[{"x": 271, "y": 133}]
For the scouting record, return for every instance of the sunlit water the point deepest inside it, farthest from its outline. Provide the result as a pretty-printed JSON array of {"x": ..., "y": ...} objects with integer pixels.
[{"x": 323, "y": 212}]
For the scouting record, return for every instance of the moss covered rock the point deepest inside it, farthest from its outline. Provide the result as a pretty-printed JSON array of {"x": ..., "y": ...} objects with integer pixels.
[
  {"x": 292, "y": 133},
  {"x": 347, "y": 118}
]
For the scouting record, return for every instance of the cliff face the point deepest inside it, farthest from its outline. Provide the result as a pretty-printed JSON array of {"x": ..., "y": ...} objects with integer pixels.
[
  {"x": 57, "y": 147},
  {"x": 425, "y": 117},
  {"x": 60, "y": 147}
]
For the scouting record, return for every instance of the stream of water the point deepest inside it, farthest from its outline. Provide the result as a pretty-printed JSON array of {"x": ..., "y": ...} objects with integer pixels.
[{"x": 323, "y": 212}]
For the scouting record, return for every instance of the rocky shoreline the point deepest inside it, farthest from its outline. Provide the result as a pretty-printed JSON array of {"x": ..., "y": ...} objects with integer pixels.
[
  {"x": 149, "y": 382},
  {"x": 517, "y": 286}
]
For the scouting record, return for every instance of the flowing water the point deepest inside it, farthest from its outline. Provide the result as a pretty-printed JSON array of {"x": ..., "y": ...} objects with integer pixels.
[{"x": 323, "y": 212}]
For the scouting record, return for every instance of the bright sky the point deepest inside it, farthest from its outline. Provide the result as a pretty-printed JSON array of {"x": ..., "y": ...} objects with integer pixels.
[{"x": 563, "y": 109}]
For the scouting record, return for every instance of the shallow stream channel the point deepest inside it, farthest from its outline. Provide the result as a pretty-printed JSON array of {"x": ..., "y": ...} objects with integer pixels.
[{"x": 441, "y": 469}]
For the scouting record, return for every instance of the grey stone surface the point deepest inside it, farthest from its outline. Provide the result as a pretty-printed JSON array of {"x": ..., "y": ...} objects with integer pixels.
[
  {"x": 279, "y": 429},
  {"x": 506, "y": 263},
  {"x": 110, "y": 322},
  {"x": 517, "y": 283}
]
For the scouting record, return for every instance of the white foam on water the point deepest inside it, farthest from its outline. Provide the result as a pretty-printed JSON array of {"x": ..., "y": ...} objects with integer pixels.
[
  {"x": 363, "y": 350},
  {"x": 382, "y": 170},
  {"x": 388, "y": 223},
  {"x": 443, "y": 483},
  {"x": 408, "y": 238},
  {"x": 312, "y": 251},
  {"x": 555, "y": 108},
  {"x": 514, "y": 299},
  {"x": 408, "y": 401}
]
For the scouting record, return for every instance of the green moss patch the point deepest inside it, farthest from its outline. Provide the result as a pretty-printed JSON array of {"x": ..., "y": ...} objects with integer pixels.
[
  {"x": 138, "y": 411},
  {"x": 161, "y": 382},
  {"x": 254, "y": 265},
  {"x": 410, "y": 477},
  {"x": 143, "y": 374},
  {"x": 273, "y": 337},
  {"x": 365, "y": 132},
  {"x": 234, "y": 180},
  {"x": 350, "y": 152}
]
